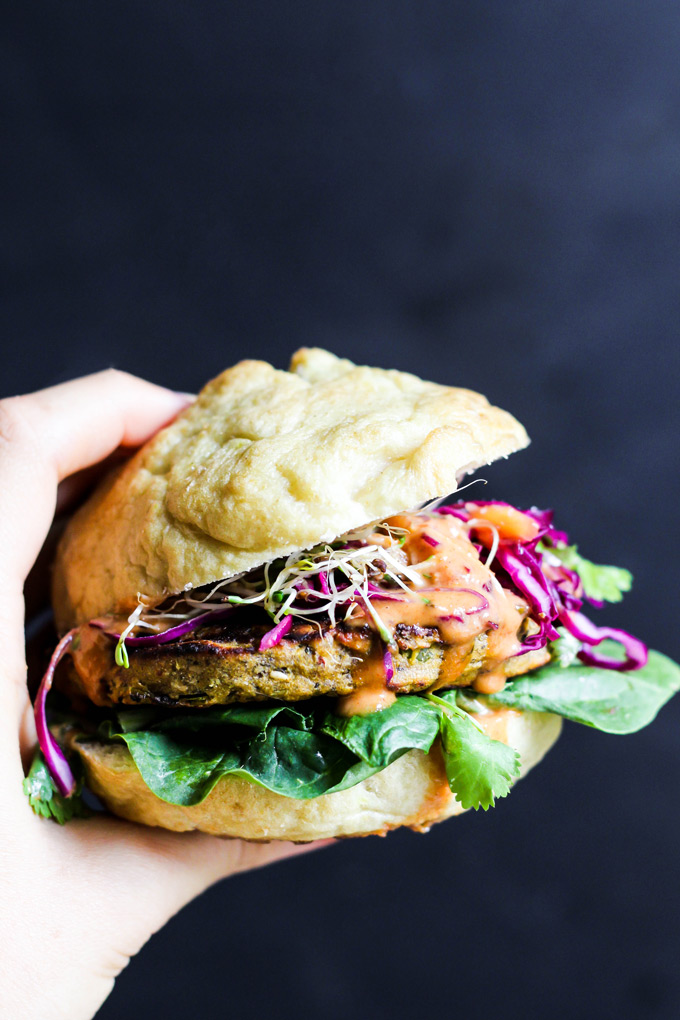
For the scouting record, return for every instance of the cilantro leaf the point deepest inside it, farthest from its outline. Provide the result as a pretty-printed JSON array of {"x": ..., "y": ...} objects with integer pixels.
[
  {"x": 565, "y": 649},
  {"x": 381, "y": 737},
  {"x": 601, "y": 583},
  {"x": 478, "y": 768},
  {"x": 44, "y": 797}
]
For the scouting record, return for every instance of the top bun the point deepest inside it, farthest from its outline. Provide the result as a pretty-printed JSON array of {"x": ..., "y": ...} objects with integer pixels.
[{"x": 267, "y": 462}]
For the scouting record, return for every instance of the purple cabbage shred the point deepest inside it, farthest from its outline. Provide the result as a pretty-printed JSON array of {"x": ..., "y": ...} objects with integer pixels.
[
  {"x": 274, "y": 636},
  {"x": 172, "y": 634},
  {"x": 53, "y": 754},
  {"x": 554, "y": 592}
]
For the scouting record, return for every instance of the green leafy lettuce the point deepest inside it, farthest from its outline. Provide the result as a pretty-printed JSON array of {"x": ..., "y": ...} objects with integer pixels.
[{"x": 306, "y": 750}]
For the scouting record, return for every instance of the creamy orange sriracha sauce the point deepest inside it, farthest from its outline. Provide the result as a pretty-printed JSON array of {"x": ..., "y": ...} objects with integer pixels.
[{"x": 460, "y": 597}]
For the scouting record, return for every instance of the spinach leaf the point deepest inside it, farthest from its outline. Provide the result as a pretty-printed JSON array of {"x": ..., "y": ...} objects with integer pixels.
[
  {"x": 296, "y": 763},
  {"x": 306, "y": 750},
  {"x": 182, "y": 755},
  {"x": 180, "y": 771},
  {"x": 300, "y": 764},
  {"x": 254, "y": 716},
  {"x": 382, "y": 737},
  {"x": 604, "y": 698}
]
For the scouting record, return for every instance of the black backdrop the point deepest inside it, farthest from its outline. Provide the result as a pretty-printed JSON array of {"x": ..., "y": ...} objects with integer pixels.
[{"x": 485, "y": 193}]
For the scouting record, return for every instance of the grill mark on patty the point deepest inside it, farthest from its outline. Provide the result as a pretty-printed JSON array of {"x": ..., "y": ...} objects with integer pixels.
[
  {"x": 219, "y": 642},
  {"x": 222, "y": 664}
]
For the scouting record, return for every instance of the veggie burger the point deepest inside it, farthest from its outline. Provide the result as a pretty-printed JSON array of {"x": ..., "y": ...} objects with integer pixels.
[{"x": 274, "y": 629}]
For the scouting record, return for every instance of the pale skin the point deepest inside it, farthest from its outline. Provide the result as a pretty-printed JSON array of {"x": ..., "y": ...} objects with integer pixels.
[{"x": 76, "y": 902}]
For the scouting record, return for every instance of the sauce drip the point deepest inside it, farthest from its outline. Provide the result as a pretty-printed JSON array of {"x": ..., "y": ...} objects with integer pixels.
[
  {"x": 477, "y": 618},
  {"x": 461, "y": 597},
  {"x": 372, "y": 694}
]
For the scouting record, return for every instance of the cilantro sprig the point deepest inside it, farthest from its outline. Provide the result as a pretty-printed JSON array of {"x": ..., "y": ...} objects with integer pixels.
[
  {"x": 601, "y": 583},
  {"x": 478, "y": 768},
  {"x": 44, "y": 797}
]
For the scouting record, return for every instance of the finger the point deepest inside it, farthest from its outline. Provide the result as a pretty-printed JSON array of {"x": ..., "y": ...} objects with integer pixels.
[
  {"x": 44, "y": 437},
  {"x": 194, "y": 862},
  {"x": 158, "y": 872},
  {"x": 74, "y": 489},
  {"x": 47, "y": 436},
  {"x": 37, "y": 583},
  {"x": 71, "y": 492}
]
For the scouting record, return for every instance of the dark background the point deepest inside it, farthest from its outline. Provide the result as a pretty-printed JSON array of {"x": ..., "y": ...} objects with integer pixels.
[{"x": 487, "y": 194}]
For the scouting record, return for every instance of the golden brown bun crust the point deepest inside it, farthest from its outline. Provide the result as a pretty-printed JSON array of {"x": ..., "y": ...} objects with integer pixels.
[
  {"x": 412, "y": 791},
  {"x": 267, "y": 462}
]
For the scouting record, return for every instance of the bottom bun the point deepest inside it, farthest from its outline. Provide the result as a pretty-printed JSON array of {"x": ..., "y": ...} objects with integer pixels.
[{"x": 413, "y": 791}]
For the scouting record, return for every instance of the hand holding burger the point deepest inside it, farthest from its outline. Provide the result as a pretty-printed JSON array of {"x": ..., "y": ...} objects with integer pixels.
[
  {"x": 274, "y": 633},
  {"x": 277, "y": 631},
  {"x": 78, "y": 900}
]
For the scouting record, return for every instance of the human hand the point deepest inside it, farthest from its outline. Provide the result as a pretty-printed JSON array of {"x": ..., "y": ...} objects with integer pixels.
[{"x": 77, "y": 902}]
